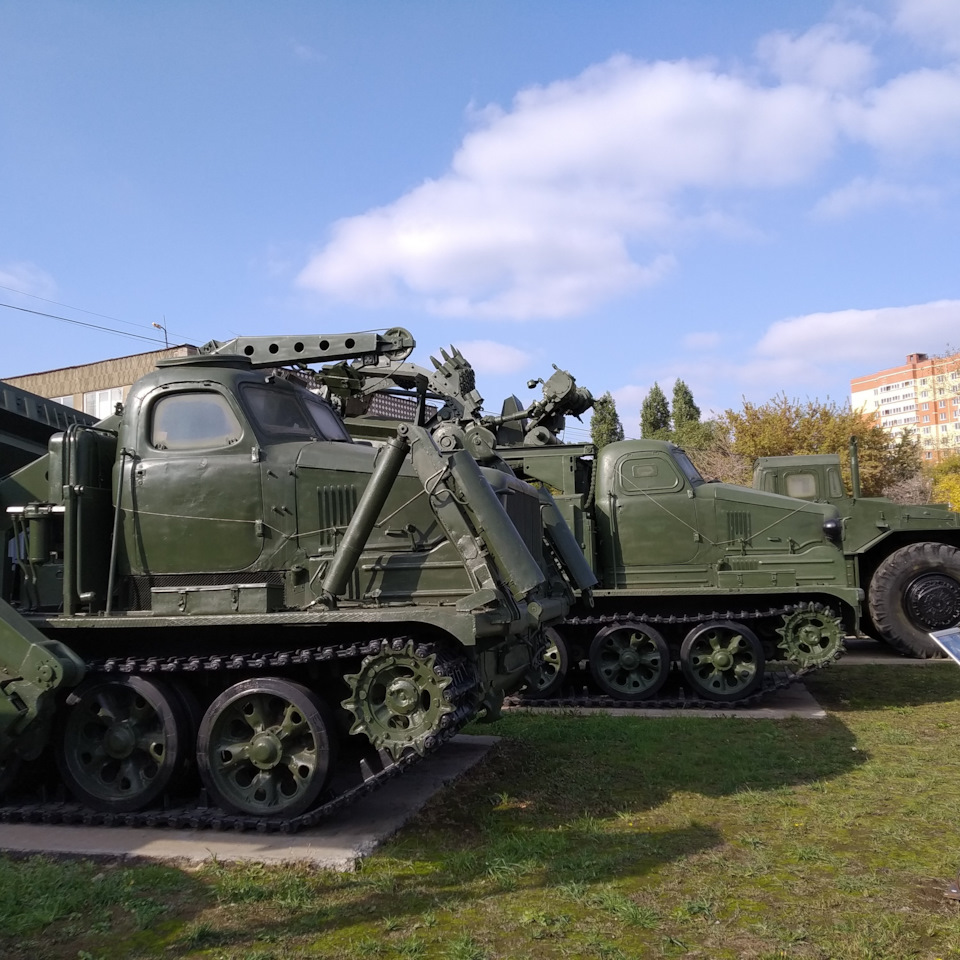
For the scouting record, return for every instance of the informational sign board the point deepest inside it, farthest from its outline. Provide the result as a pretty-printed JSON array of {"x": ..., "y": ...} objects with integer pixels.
[{"x": 949, "y": 641}]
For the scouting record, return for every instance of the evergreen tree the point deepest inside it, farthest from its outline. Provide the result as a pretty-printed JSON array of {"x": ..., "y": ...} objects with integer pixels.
[
  {"x": 655, "y": 415},
  {"x": 684, "y": 409},
  {"x": 605, "y": 426}
]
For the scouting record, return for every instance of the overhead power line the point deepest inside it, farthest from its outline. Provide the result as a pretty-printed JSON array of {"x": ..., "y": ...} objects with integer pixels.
[
  {"x": 83, "y": 323},
  {"x": 92, "y": 313}
]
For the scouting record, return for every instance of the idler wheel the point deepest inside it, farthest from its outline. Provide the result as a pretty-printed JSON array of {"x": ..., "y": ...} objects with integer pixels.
[
  {"x": 629, "y": 661},
  {"x": 265, "y": 748},
  {"x": 722, "y": 661},
  {"x": 123, "y": 742}
]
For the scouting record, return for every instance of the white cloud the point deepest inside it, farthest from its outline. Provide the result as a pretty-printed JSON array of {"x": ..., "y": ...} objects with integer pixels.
[
  {"x": 25, "y": 277},
  {"x": 934, "y": 22},
  {"x": 915, "y": 114},
  {"x": 490, "y": 357},
  {"x": 865, "y": 337},
  {"x": 863, "y": 193},
  {"x": 815, "y": 355},
  {"x": 578, "y": 192},
  {"x": 821, "y": 57}
]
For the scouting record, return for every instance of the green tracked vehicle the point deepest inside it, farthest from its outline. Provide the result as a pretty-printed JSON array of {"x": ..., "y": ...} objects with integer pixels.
[
  {"x": 218, "y": 581},
  {"x": 706, "y": 591},
  {"x": 906, "y": 557}
]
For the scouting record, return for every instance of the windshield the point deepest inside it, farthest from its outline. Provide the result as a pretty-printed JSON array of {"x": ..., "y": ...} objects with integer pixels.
[
  {"x": 686, "y": 465},
  {"x": 280, "y": 413},
  {"x": 327, "y": 422}
]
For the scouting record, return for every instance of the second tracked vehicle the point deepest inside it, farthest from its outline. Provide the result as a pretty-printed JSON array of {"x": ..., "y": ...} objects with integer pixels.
[{"x": 706, "y": 592}]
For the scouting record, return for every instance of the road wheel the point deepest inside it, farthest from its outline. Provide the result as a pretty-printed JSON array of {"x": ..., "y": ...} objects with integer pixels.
[
  {"x": 722, "y": 661},
  {"x": 629, "y": 661},
  {"x": 915, "y": 591},
  {"x": 551, "y": 672},
  {"x": 265, "y": 748},
  {"x": 123, "y": 742}
]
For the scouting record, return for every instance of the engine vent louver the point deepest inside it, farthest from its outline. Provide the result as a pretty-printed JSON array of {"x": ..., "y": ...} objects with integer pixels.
[
  {"x": 739, "y": 526},
  {"x": 337, "y": 506}
]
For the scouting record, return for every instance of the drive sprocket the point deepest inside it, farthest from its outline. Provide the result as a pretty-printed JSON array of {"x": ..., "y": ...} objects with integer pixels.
[
  {"x": 398, "y": 698},
  {"x": 811, "y": 637}
]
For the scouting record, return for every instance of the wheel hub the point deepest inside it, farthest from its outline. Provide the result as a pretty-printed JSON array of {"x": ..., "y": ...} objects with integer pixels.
[
  {"x": 265, "y": 750},
  {"x": 629, "y": 659},
  {"x": 721, "y": 659},
  {"x": 933, "y": 601},
  {"x": 120, "y": 739},
  {"x": 402, "y": 696}
]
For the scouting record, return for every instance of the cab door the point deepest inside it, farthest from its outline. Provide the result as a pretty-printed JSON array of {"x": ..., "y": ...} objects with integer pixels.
[
  {"x": 191, "y": 493},
  {"x": 655, "y": 512}
]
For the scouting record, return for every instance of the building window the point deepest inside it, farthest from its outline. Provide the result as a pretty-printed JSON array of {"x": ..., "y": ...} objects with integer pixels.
[
  {"x": 943, "y": 428},
  {"x": 925, "y": 406},
  {"x": 926, "y": 429},
  {"x": 929, "y": 455},
  {"x": 941, "y": 403},
  {"x": 66, "y": 401},
  {"x": 926, "y": 418},
  {"x": 101, "y": 403}
]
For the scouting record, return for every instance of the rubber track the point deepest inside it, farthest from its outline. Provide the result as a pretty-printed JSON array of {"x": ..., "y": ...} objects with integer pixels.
[
  {"x": 202, "y": 815},
  {"x": 773, "y": 681}
]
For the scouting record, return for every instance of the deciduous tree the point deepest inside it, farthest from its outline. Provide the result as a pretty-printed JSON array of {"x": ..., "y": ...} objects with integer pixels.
[{"x": 781, "y": 427}]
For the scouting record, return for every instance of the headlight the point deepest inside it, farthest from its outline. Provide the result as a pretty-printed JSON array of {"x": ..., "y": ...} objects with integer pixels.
[{"x": 833, "y": 530}]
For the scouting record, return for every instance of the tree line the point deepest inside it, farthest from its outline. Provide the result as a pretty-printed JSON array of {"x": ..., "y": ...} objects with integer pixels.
[{"x": 726, "y": 447}]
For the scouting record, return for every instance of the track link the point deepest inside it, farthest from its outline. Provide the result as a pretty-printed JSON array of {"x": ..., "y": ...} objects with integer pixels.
[{"x": 199, "y": 814}]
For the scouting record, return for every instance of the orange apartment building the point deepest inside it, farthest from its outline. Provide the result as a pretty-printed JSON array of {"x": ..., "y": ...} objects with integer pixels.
[{"x": 922, "y": 395}]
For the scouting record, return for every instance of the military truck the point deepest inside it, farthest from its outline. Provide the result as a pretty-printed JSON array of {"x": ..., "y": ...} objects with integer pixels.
[
  {"x": 217, "y": 580},
  {"x": 715, "y": 579},
  {"x": 906, "y": 557}
]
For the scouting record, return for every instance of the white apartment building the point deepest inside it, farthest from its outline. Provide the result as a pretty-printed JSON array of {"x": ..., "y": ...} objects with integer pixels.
[{"x": 922, "y": 395}]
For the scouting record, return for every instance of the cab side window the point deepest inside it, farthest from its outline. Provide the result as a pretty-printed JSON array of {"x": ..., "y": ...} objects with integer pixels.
[
  {"x": 802, "y": 486},
  {"x": 193, "y": 421},
  {"x": 648, "y": 475}
]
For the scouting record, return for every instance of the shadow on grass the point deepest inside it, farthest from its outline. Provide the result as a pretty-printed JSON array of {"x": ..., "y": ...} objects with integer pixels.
[
  {"x": 847, "y": 687},
  {"x": 56, "y": 907},
  {"x": 562, "y": 807}
]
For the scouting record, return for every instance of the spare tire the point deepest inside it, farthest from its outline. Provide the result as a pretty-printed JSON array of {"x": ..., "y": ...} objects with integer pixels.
[{"x": 914, "y": 592}]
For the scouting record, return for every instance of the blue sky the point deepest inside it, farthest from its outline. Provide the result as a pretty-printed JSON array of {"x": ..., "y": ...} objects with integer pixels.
[{"x": 755, "y": 197}]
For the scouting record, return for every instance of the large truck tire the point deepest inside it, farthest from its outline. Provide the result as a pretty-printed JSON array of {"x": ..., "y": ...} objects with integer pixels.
[{"x": 915, "y": 591}]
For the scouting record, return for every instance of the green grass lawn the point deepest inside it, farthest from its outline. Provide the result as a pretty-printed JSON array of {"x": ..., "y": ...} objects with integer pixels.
[{"x": 598, "y": 837}]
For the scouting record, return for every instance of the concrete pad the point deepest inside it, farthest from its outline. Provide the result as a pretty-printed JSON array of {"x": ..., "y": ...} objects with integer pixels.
[
  {"x": 861, "y": 650},
  {"x": 792, "y": 701},
  {"x": 337, "y": 844}
]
